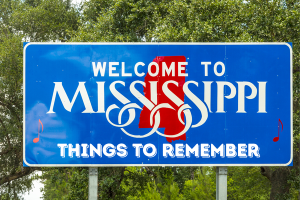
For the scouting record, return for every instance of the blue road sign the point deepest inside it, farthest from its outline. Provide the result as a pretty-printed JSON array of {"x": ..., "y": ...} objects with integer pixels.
[{"x": 167, "y": 104}]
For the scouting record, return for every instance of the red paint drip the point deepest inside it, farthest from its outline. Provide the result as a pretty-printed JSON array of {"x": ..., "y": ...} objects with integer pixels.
[{"x": 169, "y": 119}]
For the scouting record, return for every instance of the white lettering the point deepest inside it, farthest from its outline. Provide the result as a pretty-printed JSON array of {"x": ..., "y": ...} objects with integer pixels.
[
  {"x": 123, "y": 70},
  {"x": 156, "y": 69},
  {"x": 205, "y": 67},
  {"x": 220, "y": 150},
  {"x": 200, "y": 105},
  {"x": 220, "y": 96},
  {"x": 147, "y": 147},
  {"x": 230, "y": 150},
  {"x": 84, "y": 150},
  {"x": 62, "y": 149},
  {"x": 122, "y": 150},
  {"x": 99, "y": 68},
  {"x": 242, "y": 152},
  {"x": 137, "y": 149},
  {"x": 109, "y": 150},
  {"x": 93, "y": 150},
  {"x": 262, "y": 97},
  {"x": 253, "y": 149},
  {"x": 241, "y": 95},
  {"x": 205, "y": 150},
  {"x": 168, "y": 150},
  {"x": 207, "y": 94},
  {"x": 136, "y": 71},
  {"x": 180, "y": 64},
  {"x": 168, "y": 70},
  {"x": 58, "y": 88},
  {"x": 179, "y": 152},
  {"x": 101, "y": 108},
  {"x": 194, "y": 150},
  {"x": 72, "y": 150},
  {"x": 111, "y": 69},
  {"x": 216, "y": 70}
]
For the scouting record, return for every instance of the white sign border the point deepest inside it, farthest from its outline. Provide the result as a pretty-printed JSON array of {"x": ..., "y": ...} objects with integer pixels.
[{"x": 158, "y": 43}]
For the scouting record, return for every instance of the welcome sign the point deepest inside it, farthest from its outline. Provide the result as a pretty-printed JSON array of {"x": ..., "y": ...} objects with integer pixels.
[{"x": 157, "y": 104}]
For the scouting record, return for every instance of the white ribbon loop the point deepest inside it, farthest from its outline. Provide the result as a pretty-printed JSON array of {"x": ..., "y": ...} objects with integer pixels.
[
  {"x": 154, "y": 129},
  {"x": 200, "y": 105},
  {"x": 131, "y": 115},
  {"x": 156, "y": 108},
  {"x": 151, "y": 105},
  {"x": 188, "y": 117}
]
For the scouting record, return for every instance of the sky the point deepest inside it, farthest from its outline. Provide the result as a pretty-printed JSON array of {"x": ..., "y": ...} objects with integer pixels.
[
  {"x": 77, "y": 1},
  {"x": 35, "y": 193}
]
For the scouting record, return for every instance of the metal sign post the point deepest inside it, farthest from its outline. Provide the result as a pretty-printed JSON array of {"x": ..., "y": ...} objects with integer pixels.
[
  {"x": 221, "y": 183},
  {"x": 93, "y": 183}
]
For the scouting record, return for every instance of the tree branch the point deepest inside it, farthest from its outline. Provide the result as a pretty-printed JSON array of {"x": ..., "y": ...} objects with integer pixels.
[
  {"x": 5, "y": 151},
  {"x": 7, "y": 136},
  {"x": 149, "y": 171},
  {"x": 11, "y": 109},
  {"x": 26, "y": 171}
]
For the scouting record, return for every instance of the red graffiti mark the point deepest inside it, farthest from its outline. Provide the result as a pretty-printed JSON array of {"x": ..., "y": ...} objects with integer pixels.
[
  {"x": 169, "y": 119},
  {"x": 275, "y": 139},
  {"x": 35, "y": 140}
]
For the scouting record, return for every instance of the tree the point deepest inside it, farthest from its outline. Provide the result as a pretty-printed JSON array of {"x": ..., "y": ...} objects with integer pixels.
[
  {"x": 11, "y": 98},
  {"x": 139, "y": 21},
  {"x": 19, "y": 21},
  {"x": 234, "y": 21},
  {"x": 203, "y": 186},
  {"x": 208, "y": 21},
  {"x": 119, "y": 21},
  {"x": 45, "y": 20}
]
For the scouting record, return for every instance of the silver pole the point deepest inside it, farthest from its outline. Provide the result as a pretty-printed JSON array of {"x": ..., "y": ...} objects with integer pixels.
[
  {"x": 93, "y": 183},
  {"x": 221, "y": 183}
]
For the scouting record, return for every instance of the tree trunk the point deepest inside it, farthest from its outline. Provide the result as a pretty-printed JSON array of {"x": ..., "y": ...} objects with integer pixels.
[
  {"x": 192, "y": 170},
  {"x": 298, "y": 167},
  {"x": 280, "y": 176},
  {"x": 279, "y": 182},
  {"x": 278, "y": 179}
]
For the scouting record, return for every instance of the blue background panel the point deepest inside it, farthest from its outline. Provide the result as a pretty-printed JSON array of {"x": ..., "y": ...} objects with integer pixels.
[{"x": 48, "y": 63}]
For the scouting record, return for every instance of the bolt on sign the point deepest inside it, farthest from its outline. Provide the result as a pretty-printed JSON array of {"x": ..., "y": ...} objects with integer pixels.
[{"x": 157, "y": 104}]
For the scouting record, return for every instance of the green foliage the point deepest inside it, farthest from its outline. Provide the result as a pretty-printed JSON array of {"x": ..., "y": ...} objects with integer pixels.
[
  {"x": 113, "y": 183},
  {"x": 151, "y": 192},
  {"x": 169, "y": 189},
  {"x": 77, "y": 185},
  {"x": 45, "y": 20},
  {"x": 207, "y": 21},
  {"x": 55, "y": 183},
  {"x": 294, "y": 178},
  {"x": 247, "y": 183},
  {"x": 119, "y": 20},
  {"x": 20, "y": 20},
  {"x": 203, "y": 186},
  {"x": 201, "y": 21},
  {"x": 11, "y": 117},
  {"x": 140, "y": 21},
  {"x": 135, "y": 180},
  {"x": 65, "y": 183},
  {"x": 296, "y": 114}
]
